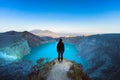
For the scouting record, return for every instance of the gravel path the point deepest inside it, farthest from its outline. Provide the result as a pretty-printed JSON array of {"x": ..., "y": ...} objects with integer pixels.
[{"x": 59, "y": 70}]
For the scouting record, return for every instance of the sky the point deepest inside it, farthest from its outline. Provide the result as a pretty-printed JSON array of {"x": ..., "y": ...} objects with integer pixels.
[{"x": 64, "y": 16}]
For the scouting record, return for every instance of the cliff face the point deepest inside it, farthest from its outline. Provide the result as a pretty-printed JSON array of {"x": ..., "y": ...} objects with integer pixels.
[
  {"x": 17, "y": 49},
  {"x": 12, "y": 44},
  {"x": 15, "y": 45},
  {"x": 102, "y": 53}
]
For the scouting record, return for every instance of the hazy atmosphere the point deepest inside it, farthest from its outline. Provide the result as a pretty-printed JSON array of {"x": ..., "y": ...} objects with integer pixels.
[{"x": 72, "y": 16}]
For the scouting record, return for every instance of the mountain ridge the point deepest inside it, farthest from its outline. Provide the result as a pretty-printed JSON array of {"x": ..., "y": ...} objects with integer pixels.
[{"x": 42, "y": 33}]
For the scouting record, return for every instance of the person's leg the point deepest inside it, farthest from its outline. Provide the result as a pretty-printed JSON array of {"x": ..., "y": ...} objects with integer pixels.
[
  {"x": 58, "y": 56},
  {"x": 61, "y": 56}
]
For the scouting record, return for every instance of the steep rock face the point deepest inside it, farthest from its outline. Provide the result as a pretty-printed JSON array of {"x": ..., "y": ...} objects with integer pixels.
[
  {"x": 97, "y": 58},
  {"x": 18, "y": 44},
  {"x": 102, "y": 53},
  {"x": 17, "y": 49},
  {"x": 12, "y": 47}
]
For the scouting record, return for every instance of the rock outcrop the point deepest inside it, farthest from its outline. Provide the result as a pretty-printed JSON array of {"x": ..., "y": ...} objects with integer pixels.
[{"x": 55, "y": 70}]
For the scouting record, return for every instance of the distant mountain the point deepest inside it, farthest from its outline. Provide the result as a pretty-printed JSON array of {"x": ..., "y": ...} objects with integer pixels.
[
  {"x": 42, "y": 33},
  {"x": 32, "y": 39}
]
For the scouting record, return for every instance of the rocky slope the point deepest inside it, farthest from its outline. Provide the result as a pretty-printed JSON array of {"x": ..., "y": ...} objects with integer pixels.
[
  {"x": 16, "y": 70},
  {"x": 17, "y": 50},
  {"x": 33, "y": 40},
  {"x": 102, "y": 53},
  {"x": 15, "y": 45},
  {"x": 12, "y": 47},
  {"x": 54, "y": 70}
]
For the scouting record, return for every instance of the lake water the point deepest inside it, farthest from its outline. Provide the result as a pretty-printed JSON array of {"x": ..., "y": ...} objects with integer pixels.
[{"x": 48, "y": 50}]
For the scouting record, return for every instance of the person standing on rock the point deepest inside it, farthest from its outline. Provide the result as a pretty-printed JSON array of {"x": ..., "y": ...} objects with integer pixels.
[{"x": 60, "y": 49}]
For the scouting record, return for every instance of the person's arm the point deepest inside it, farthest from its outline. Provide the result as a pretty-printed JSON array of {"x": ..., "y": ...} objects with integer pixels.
[
  {"x": 63, "y": 47},
  {"x": 58, "y": 46}
]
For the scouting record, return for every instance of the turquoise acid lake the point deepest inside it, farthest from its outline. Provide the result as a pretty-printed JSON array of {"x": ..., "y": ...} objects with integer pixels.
[{"x": 48, "y": 50}]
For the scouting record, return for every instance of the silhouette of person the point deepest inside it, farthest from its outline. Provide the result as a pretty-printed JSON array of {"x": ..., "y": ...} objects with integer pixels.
[{"x": 60, "y": 49}]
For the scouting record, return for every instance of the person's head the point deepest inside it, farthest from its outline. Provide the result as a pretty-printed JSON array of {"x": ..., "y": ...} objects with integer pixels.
[{"x": 60, "y": 40}]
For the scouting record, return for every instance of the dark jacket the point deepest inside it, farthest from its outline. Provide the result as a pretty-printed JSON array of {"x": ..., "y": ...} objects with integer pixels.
[{"x": 60, "y": 47}]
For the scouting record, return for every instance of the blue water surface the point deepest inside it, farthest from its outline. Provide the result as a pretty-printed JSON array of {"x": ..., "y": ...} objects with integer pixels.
[{"x": 48, "y": 50}]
